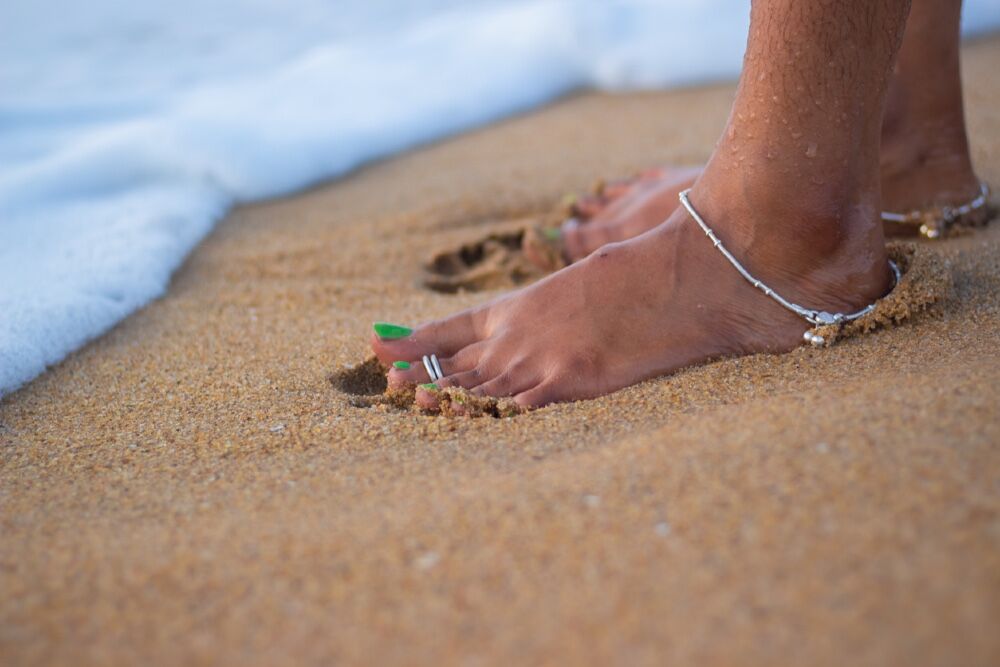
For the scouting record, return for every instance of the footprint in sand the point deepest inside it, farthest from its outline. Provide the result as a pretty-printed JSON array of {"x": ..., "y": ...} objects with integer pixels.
[{"x": 494, "y": 262}]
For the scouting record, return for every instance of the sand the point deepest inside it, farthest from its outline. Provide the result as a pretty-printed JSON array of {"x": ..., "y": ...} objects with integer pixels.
[{"x": 193, "y": 488}]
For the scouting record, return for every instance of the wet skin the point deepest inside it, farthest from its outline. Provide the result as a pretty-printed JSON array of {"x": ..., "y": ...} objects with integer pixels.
[
  {"x": 924, "y": 157},
  {"x": 792, "y": 189}
]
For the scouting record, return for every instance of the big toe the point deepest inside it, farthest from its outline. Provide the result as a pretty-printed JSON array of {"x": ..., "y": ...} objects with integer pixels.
[{"x": 392, "y": 342}]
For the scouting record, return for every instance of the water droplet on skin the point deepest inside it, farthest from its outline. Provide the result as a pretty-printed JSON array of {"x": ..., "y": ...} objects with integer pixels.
[
  {"x": 731, "y": 132},
  {"x": 811, "y": 150},
  {"x": 427, "y": 561},
  {"x": 796, "y": 135}
]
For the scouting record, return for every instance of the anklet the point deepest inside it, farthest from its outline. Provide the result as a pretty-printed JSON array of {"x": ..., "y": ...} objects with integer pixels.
[
  {"x": 936, "y": 221},
  {"x": 818, "y": 318}
]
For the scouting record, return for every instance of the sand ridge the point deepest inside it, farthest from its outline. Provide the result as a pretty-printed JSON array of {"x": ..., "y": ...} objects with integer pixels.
[{"x": 209, "y": 484}]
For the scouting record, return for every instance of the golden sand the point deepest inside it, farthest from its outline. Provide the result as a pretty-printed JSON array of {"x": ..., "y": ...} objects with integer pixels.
[
  {"x": 925, "y": 283},
  {"x": 209, "y": 482}
]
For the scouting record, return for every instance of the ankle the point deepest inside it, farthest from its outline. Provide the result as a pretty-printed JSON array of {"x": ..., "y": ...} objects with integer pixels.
[
  {"x": 822, "y": 244},
  {"x": 926, "y": 164},
  {"x": 772, "y": 213},
  {"x": 924, "y": 157}
]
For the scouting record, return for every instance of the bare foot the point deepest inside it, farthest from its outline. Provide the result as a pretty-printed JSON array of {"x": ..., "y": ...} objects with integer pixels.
[
  {"x": 647, "y": 306},
  {"x": 796, "y": 201},
  {"x": 584, "y": 207},
  {"x": 628, "y": 214}
]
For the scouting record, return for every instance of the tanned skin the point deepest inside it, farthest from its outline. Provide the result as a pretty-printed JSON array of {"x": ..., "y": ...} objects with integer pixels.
[{"x": 794, "y": 191}]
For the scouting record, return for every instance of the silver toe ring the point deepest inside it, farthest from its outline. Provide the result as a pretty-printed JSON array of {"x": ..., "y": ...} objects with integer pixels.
[{"x": 433, "y": 367}]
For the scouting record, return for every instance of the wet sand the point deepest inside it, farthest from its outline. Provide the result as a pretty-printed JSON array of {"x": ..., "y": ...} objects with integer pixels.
[{"x": 193, "y": 489}]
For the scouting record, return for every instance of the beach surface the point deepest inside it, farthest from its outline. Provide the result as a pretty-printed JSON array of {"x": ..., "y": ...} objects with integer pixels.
[{"x": 208, "y": 484}]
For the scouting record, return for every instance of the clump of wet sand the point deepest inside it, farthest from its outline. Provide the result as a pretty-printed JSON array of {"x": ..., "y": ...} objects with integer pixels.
[{"x": 925, "y": 281}]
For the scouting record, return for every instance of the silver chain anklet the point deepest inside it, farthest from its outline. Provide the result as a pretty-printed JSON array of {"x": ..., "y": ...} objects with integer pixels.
[
  {"x": 817, "y": 318},
  {"x": 934, "y": 222}
]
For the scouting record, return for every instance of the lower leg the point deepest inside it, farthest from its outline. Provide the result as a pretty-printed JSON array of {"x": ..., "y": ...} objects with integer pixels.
[
  {"x": 797, "y": 168},
  {"x": 925, "y": 157}
]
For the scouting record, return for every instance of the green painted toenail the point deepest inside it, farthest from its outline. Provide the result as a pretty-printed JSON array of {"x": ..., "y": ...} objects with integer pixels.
[
  {"x": 552, "y": 233},
  {"x": 387, "y": 331},
  {"x": 430, "y": 386},
  {"x": 401, "y": 365}
]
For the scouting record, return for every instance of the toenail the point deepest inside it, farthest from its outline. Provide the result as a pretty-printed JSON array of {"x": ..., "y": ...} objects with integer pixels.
[
  {"x": 552, "y": 233},
  {"x": 401, "y": 365},
  {"x": 387, "y": 331},
  {"x": 430, "y": 386}
]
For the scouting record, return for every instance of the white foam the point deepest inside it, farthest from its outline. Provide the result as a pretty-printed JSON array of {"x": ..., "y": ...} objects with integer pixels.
[{"x": 128, "y": 129}]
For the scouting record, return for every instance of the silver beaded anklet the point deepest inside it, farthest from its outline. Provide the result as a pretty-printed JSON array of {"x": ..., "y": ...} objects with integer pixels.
[
  {"x": 818, "y": 318},
  {"x": 935, "y": 222}
]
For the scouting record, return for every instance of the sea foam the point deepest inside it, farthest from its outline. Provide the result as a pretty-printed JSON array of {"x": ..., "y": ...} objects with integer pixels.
[{"x": 128, "y": 129}]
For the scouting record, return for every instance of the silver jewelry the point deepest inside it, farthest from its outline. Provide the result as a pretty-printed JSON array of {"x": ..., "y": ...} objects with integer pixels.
[
  {"x": 935, "y": 222},
  {"x": 433, "y": 367},
  {"x": 815, "y": 317}
]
